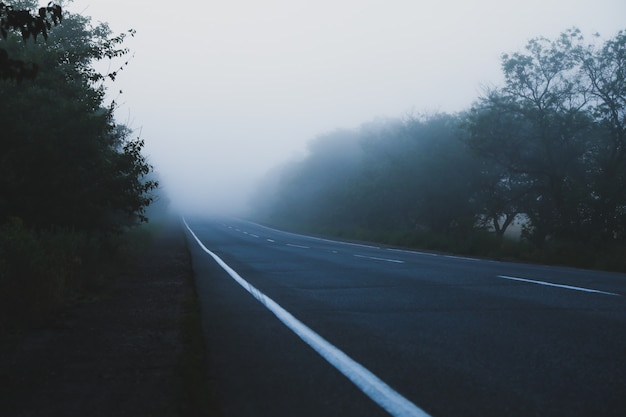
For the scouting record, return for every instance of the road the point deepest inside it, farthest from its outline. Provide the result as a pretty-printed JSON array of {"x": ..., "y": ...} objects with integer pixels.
[{"x": 303, "y": 326}]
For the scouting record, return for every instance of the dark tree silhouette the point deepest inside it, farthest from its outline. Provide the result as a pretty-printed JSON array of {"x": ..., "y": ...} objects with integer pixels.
[
  {"x": 28, "y": 25},
  {"x": 65, "y": 162}
]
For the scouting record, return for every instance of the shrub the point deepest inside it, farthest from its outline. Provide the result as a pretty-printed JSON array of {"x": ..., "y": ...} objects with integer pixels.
[
  {"x": 32, "y": 280},
  {"x": 42, "y": 271}
]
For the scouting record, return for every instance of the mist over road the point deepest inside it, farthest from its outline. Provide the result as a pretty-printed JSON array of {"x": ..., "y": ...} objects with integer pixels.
[{"x": 448, "y": 336}]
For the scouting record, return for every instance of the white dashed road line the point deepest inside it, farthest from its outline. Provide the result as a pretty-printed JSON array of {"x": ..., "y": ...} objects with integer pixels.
[
  {"x": 380, "y": 259},
  {"x": 550, "y": 284},
  {"x": 298, "y": 246}
]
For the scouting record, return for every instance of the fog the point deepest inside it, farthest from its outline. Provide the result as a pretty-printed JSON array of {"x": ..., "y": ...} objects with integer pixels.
[{"x": 223, "y": 91}]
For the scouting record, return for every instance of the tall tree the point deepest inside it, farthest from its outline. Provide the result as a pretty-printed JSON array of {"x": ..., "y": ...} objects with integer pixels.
[
  {"x": 64, "y": 162},
  {"x": 605, "y": 70},
  {"x": 535, "y": 127},
  {"x": 556, "y": 130}
]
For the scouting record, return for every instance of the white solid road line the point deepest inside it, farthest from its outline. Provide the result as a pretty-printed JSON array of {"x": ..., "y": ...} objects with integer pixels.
[
  {"x": 550, "y": 284},
  {"x": 377, "y": 390}
]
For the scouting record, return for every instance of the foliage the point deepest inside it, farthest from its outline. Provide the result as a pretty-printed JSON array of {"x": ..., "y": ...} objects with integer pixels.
[
  {"x": 37, "y": 272},
  {"x": 556, "y": 134},
  {"x": 63, "y": 159},
  {"x": 390, "y": 175},
  {"x": 547, "y": 149},
  {"x": 71, "y": 178},
  {"x": 29, "y": 25},
  {"x": 43, "y": 271}
]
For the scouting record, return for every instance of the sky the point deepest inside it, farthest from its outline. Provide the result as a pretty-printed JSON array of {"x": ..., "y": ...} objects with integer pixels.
[{"x": 223, "y": 91}]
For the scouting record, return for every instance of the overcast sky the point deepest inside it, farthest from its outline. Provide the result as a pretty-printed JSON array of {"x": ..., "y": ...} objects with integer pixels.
[{"x": 223, "y": 91}]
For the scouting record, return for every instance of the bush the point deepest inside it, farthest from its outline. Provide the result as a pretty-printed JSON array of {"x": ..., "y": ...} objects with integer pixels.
[
  {"x": 32, "y": 279},
  {"x": 40, "y": 272}
]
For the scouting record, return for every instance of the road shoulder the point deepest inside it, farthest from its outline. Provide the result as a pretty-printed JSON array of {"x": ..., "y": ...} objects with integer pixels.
[{"x": 127, "y": 353}]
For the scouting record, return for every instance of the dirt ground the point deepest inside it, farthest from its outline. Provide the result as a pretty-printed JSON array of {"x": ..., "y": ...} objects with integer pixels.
[{"x": 116, "y": 355}]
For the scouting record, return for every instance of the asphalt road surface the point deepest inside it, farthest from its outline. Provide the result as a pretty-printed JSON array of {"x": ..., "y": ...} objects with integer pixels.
[{"x": 302, "y": 326}]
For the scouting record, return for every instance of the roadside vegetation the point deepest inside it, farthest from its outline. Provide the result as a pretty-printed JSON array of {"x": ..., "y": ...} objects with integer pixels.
[
  {"x": 535, "y": 170},
  {"x": 75, "y": 190},
  {"x": 73, "y": 182}
]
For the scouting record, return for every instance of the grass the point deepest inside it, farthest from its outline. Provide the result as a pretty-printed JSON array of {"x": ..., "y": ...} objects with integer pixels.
[{"x": 42, "y": 272}]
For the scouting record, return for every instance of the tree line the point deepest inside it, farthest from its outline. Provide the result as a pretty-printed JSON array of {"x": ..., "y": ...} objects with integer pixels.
[
  {"x": 72, "y": 179},
  {"x": 545, "y": 151}
]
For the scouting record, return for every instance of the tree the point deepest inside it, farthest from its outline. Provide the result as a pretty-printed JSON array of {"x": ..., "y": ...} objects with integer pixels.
[
  {"x": 387, "y": 176},
  {"x": 556, "y": 134},
  {"x": 532, "y": 128},
  {"x": 548, "y": 146},
  {"x": 605, "y": 70},
  {"x": 313, "y": 191},
  {"x": 419, "y": 174},
  {"x": 494, "y": 133},
  {"x": 63, "y": 159}
]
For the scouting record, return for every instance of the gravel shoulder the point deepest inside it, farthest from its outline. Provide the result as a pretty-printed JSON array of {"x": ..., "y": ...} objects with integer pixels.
[{"x": 127, "y": 352}]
